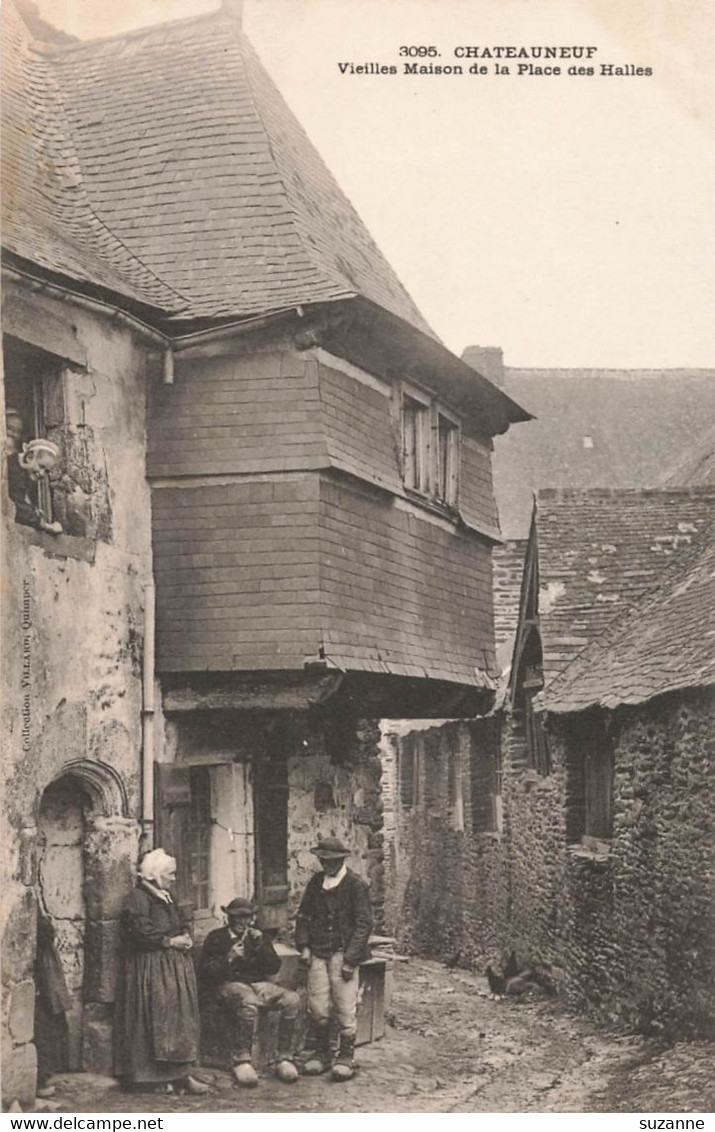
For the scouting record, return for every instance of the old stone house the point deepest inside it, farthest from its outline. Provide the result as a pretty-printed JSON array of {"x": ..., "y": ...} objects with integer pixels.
[
  {"x": 630, "y": 730},
  {"x": 505, "y": 841},
  {"x": 265, "y": 517}
]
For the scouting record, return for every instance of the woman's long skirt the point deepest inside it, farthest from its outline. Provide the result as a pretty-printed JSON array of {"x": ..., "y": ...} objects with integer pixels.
[{"x": 157, "y": 1019}]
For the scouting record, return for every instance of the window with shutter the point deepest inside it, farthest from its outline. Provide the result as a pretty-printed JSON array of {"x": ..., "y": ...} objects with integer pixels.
[
  {"x": 589, "y": 785},
  {"x": 271, "y": 817},
  {"x": 485, "y": 773},
  {"x": 199, "y": 849},
  {"x": 34, "y": 404},
  {"x": 409, "y": 767},
  {"x": 172, "y": 783}
]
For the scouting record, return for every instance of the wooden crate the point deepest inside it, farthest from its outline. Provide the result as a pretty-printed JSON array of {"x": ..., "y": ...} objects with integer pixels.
[{"x": 371, "y": 1001}]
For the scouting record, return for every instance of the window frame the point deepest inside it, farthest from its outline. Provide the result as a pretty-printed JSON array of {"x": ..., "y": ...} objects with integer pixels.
[
  {"x": 423, "y": 456},
  {"x": 200, "y": 830},
  {"x": 446, "y": 495},
  {"x": 45, "y": 390},
  {"x": 426, "y": 481},
  {"x": 590, "y": 793},
  {"x": 409, "y": 787},
  {"x": 485, "y": 805}
]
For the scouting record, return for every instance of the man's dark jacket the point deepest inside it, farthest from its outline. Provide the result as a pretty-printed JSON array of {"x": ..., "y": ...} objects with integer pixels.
[
  {"x": 257, "y": 964},
  {"x": 354, "y": 916}
]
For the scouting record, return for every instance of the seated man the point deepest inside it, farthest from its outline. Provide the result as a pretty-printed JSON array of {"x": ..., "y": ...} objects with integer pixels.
[{"x": 236, "y": 967}]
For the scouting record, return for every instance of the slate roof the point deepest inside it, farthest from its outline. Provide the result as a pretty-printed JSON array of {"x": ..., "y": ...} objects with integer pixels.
[
  {"x": 191, "y": 157},
  {"x": 600, "y": 552},
  {"x": 640, "y": 422},
  {"x": 163, "y": 166},
  {"x": 47, "y": 216},
  {"x": 666, "y": 643},
  {"x": 696, "y": 466}
]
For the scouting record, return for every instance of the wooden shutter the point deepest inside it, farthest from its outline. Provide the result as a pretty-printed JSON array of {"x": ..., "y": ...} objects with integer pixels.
[
  {"x": 598, "y": 788},
  {"x": 53, "y": 398},
  {"x": 483, "y": 817},
  {"x": 408, "y": 771},
  {"x": 173, "y": 817}
]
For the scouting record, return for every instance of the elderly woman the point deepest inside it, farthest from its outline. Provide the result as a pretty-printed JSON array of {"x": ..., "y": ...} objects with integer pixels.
[{"x": 157, "y": 1013}]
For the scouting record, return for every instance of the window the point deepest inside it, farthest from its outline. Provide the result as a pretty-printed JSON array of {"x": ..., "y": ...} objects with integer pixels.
[
  {"x": 590, "y": 769},
  {"x": 415, "y": 443},
  {"x": 485, "y": 774},
  {"x": 34, "y": 406},
  {"x": 454, "y": 782},
  {"x": 200, "y": 837},
  {"x": 430, "y": 449},
  {"x": 537, "y": 743},
  {"x": 271, "y": 815},
  {"x": 447, "y": 460},
  {"x": 409, "y": 767}
]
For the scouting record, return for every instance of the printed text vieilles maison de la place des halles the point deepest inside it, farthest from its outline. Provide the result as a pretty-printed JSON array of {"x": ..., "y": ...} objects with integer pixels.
[{"x": 417, "y": 59}]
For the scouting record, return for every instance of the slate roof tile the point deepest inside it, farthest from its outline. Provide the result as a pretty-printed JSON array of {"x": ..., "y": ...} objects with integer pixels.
[
  {"x": 601, "y": 551},
  {"x": 664, "y": 644},
  {"x": 47, "y": 217},
  {"x": 184, "y": 142},
  {"x": 641, "y": 422}
]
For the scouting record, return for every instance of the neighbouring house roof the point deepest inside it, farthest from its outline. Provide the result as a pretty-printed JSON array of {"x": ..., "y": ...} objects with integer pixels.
[
  {"x": 600, "y": 552},
  {"x": 666, "y": 643},
  {"x": 696, "y": 466},
  {"x": 639, "y": 423}
]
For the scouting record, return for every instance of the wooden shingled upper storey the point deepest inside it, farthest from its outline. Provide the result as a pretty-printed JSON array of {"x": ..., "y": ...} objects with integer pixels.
[
  {"x": 600, "y": 552},
  {"x": 665, "y": 644}
]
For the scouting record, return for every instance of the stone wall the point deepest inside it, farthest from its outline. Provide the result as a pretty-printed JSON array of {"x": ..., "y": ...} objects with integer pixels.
[
  {"x": 446, "y": 890},
  {"x": 626, "y": 925},
  {"x": 637, "y": 936},
  {"x": 73, "y": 628},
  {"x": 330, "y": 798},
  {"x": 334, "y": 789}
]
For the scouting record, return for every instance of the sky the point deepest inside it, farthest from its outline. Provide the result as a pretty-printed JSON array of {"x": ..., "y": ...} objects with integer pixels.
[{"x": 567, "y": 219}]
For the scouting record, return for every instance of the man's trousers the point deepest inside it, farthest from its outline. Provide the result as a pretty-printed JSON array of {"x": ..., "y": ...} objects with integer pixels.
[
  {"x": 242, "y": 1001},
  {"x": 329, "y": 993}
]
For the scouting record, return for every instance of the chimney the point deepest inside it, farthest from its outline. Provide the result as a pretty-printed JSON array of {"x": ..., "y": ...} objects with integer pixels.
[
  {"x": 487, "y": 360},
  {"x": 233, "y": 9}
]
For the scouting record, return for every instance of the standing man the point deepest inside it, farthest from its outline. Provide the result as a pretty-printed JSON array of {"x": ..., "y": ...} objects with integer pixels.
[
  {"x": 237, "y": 964},
  {"x": 332, "y": 931}
]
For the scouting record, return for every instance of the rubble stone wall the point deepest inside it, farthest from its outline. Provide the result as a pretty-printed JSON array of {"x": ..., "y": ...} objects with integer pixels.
[
  {"x": 446, "y": 884},
  {"x": 625, "y": 927},
  {"x": 638, "y": 929},
  {"x": 329, "y": 798}
]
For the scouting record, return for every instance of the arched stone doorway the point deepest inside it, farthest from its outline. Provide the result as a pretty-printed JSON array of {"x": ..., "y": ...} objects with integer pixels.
[{"x": 87, "y": 854}]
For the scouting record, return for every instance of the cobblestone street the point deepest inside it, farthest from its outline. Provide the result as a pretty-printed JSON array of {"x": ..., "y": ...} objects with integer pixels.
[{"x": 451, "y": 1047}]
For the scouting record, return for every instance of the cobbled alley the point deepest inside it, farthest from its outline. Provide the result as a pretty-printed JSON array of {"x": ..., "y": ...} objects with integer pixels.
[{"x": 452, "y": 1047}]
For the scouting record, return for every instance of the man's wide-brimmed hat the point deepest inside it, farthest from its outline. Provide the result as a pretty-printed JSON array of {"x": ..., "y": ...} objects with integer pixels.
[
  {"x": 239, "y": 907},
  {"x": 330, "y": 848}
]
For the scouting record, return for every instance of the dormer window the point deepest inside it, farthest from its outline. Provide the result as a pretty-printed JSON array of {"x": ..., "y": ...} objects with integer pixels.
[{"x": 430, "y": 448}]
